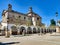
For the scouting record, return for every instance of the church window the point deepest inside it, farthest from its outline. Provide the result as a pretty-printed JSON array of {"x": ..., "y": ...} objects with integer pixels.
[
  {"x": 29, "y": 18},
  {"x": 37, "y": 18},
  {"x": 7, "y": 17},
  {"x": 24, "y": 18},
  {"x": 7, "y": 21},
  {"x": 19, "y": 16}
]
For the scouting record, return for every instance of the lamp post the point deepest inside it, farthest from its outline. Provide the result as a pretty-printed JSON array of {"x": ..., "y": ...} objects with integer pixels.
[
  {"x": 56, "y": 22},
  {"x": 7, "y": 30},
  {"x": 56, "y": 18}
]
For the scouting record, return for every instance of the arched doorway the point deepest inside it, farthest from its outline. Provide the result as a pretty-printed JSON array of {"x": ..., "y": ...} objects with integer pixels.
[
  {"x": 22, "y": 29},
  {"x": 38, "y": 30},
  {"x": 29, "y": 30},
  {"x": 54, "y": 30},
  {"x": 44, "y": 31},
  {"x": 34, "y": 30},
  {"x": 14, "y": 30}
]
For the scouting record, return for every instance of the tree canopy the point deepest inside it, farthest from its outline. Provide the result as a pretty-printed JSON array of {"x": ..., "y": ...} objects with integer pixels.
[{"x": 53, "y": 22}]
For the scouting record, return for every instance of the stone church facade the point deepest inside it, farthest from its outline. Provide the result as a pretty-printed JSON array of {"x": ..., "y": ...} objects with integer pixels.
[{"x": 16, "y": 22}]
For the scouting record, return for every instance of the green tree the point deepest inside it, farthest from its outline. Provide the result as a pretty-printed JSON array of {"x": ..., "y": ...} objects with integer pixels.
[{"x": 53, "y": 22}]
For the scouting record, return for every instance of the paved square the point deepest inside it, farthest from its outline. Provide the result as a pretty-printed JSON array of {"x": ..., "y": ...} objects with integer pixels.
[{"x": 34, "y": 39}]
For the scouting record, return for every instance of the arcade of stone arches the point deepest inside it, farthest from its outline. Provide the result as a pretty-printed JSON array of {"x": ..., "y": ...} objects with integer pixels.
[{"x": 30, "y": 30}]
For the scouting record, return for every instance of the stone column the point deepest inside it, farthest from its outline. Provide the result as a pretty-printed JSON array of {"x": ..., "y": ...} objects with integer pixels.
[
  {"x": 7, "y": 34},
  {"x": 10, "y": 31},
  {"x": 40, "y": 31},
  {"x": 18, "y": 32},
  {"x": 26, "y": 31},
  {"x": 36, "y": 30},
  {"x": 23, "y": 33},
  {"x": 32, "y": 31}
]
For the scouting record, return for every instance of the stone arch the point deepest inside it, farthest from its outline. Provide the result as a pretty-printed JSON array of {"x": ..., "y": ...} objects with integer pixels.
[
  {"x": 14, "y": 30},
  {"x": 50, "y": 30},
  {"x": 34, "y": 30},
  {"x": 44, "y": 31},
  {"x": 38, "y": 30},
  {"x": 22, "y": 29},
  {"x": 54, "y": 30},
  {"x": 29, "y": 30}
]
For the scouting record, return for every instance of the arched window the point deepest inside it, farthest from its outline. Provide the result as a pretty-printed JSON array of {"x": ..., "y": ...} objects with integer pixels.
[
  {"x": 24, "y": 18},
  {"x": 19, "y": 16},
  {"x": 37, "y": 18}
]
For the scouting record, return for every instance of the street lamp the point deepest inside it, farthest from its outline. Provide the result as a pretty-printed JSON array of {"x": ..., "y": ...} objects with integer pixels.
[
  {"x": 56, "y": 17},
  {"x": 57, "y": 28},
  {"x": 7, "y": 30}
]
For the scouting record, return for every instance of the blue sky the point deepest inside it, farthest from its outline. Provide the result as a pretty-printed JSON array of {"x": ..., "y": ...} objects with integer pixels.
[{"x": 45, "y": 8}]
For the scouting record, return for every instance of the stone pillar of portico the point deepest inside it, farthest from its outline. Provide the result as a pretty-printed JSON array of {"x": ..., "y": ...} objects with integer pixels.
[
  {"x": 18, "y": 32},
  {"x": 40, "y": 31},
  {"x": 23, "y": 33},
  {"x": 37, "y": 30},
  {"x": 7, "y": 33},
  {"x": 32, "y": 31},
  {"x": 10, "y": 31},
  {"x": 26, "y": 31}
]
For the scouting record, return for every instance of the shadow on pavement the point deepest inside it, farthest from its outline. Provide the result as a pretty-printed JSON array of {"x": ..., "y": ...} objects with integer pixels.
[
  {"x": 9, "y": 43},
  {"x": 2, "y": 43}
]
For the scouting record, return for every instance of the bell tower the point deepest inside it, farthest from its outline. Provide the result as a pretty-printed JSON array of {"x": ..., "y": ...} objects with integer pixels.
[
  {"x": 30, "y": 10},
  {"x": 9, "y": 7}
]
